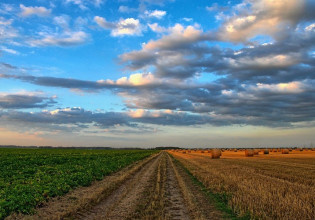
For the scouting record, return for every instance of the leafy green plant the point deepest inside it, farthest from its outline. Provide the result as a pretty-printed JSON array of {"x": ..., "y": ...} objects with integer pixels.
[{"x": 30, "y": 176}]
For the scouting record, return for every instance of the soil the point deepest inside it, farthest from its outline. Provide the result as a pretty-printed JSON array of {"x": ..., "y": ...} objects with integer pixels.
[{"x": 155, "y": 188}]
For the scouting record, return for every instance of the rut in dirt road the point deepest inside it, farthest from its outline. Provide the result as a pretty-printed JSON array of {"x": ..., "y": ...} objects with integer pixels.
[{"x": 159, "y": 190}]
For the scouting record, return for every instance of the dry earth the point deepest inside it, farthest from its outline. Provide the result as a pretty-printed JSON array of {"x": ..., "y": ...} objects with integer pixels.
[{"x": 155, "y": 188}]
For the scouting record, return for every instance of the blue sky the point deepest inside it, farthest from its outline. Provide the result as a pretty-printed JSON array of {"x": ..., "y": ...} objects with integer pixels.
[{"x": 151, "y": 73}]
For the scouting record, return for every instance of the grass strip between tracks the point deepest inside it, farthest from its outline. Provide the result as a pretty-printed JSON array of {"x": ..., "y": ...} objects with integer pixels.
[{"x": 219, "y": 200}]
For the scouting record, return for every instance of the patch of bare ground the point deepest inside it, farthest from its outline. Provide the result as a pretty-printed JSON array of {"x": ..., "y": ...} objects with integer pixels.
[{"x": 156, "y": 188}]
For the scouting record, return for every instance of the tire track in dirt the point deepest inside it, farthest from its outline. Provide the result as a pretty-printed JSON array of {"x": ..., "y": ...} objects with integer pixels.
[
  {"x": 173, "y": 195},
  {"x": 176, "y": 207}
]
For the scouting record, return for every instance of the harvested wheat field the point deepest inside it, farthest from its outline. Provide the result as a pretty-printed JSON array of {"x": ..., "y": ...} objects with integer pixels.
[{"x": 264, "y": 186}]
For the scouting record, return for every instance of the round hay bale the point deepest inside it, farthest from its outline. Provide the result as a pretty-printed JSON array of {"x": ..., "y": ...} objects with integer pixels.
[
  {"x": 216, "y": 154},
  {"x": 249, "y": 153},
  {"x": 202, "y": 151},
  {"x": 266, "y": 151},
  {"x": 184, "y": 152},
  {"x": 285, "y": 151},
  {"x": 256, "y": 152}
]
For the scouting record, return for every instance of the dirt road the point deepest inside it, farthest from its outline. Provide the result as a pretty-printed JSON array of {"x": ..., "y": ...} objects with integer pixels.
[{"x": 156, "y": 188}]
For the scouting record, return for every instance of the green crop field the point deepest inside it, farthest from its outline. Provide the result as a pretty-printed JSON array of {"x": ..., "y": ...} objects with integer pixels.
[{"x": 30, "y": 176}]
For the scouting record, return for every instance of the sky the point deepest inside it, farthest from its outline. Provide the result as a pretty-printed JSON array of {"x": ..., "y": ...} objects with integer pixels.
[{"x": 147, "y": 73}]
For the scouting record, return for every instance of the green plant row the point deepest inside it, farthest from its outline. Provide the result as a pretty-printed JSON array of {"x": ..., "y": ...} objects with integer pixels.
[{"x": 30, "y": 176}]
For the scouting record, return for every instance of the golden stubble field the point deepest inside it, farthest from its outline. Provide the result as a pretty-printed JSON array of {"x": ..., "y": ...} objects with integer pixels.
[{"x": 272, "y": 186}]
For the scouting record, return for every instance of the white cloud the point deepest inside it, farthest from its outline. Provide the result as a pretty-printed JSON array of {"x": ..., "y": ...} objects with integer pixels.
[
  {"x": 188, "y": 19},
  {"x": 291, "y": 87},
  {"x": 64, "y": 40},
  {"x": 62, "y": 21},
  {"x": 98, "y": 3},
  {"x": 128, "y": 26},
  {"x": 126, "y": 9},
  {"x": 155, "y": 14},
  {"x": 6, "y": 29},
  {"x": 271, "y": 61},
  {"x": 8, "y": 50},
  {"x": 136, "y": 79},
  {"x": 157, "y": 28},
  {"x": 264, "y": 17},
  {"x": 178, "y": 35},
  {"x": 143, "y": 113},
  {"x": 39, "y": 11},
  {"x": 79, "y": 3},
  {"x": 82, "y": 4},
  {"x": 103, "y": 23},
  {"x": 310, "y": 27}
]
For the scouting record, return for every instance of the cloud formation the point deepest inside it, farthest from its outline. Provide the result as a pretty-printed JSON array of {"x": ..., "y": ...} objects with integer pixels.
[
  {"x": 22, "y": 101},
  {"x": 159, "y": 14},
  {"x": 257, "y": 68},
  {"x": 38, "y": 11},
  {"x": 128, "y": 26},
  {"x": 66, "y": 39},
  {"x": 265, "y": 17},
  {"x": 84, "y": 4}
]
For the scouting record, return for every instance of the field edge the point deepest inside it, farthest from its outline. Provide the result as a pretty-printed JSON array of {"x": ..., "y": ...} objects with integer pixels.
[{"x": 219, "y": 200}]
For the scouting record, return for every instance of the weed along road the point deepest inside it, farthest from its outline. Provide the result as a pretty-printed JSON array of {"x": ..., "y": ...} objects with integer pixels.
[{"x": 154, "y": 188}]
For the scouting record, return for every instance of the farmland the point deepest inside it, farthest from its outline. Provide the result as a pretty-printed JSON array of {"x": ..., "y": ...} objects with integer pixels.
[
  {"x": 29, "y": 177},
  {"x": 272, "y": 186},
  {"x": 144, "y": 184}
]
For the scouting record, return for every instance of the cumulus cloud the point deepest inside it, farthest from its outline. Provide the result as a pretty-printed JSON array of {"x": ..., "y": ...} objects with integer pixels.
[
  {"x": 128, "y": 26},
  {"x": 223, "y": 102},
  {"x": 159, "y": 14},
  {"x": 157, "y": 28},
  {"x": 169, "y": 54},
  {"x": 29, "y": 11},
  {"x": 194, "y": 81},
  {"x": 264, "y": 17},
  {"x": 75, "y": 119}
]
